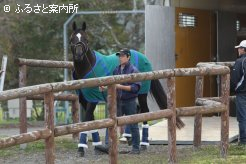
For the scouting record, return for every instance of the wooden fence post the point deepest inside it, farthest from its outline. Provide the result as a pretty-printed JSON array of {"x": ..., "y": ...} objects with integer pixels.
[
  {"x": 198, "y": 117},
  {"x": 225, "y": 88},
  {"x": 75, "y": 115},
  {"x": 49, "y": 124},
  {"x": 171, "y": 99},
  {"x": 22, "y": 101},
  {"x": 113, "y": 151}
]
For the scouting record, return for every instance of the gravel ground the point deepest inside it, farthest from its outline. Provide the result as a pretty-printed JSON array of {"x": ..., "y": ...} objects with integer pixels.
[{"x": 154, "y": 154}]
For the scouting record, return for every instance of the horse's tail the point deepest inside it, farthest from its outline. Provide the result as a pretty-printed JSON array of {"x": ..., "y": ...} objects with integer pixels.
[
  {"x": 158, "y": 93},
  {"x": 160, "y": 96}
]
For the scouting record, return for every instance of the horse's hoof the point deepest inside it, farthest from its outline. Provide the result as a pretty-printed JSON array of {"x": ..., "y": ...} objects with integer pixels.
[
  {"x": 81, "y": 154},
  {"x": 81, "y": 151}
]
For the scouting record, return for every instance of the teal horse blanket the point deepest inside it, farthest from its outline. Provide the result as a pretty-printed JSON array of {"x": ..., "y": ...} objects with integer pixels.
[{"x": 104, "y": 67}]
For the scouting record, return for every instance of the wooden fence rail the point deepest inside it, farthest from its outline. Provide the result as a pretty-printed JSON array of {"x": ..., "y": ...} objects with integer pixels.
[
  {"x": 61, "y": 97},
  {"x": 212, "y": 107},
  {"x": 24, "y": 138},
  {"x": 44, "y": 63},
  {"x": 206, "y": 106},
  {"x": 109, "y": 80}
]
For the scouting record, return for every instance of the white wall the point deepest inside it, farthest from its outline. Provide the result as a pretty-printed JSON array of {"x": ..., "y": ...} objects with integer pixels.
[{"x": 13, "y": 106}]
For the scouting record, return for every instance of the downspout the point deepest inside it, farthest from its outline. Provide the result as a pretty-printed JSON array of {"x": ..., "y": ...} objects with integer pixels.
[{"x": 217, "y": 50}]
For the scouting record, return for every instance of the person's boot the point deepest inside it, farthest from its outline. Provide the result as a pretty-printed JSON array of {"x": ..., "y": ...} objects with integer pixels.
[
  {"x": 129, "y": 141},
  {"x": 127, "y": 134},
  {"x": 134, "y": 152},
  {"x": 103, "y": 149},
  {"x": 145, "y": 137}
]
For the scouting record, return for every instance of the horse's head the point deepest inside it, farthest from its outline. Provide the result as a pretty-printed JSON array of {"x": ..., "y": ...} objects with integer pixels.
[{"x": 79, "y": 42}]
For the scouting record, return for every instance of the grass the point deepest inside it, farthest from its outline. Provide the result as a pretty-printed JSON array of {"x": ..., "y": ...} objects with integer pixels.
[
  {"x": 1, "y": 114},
  {"x": 211, "y": 154},
  {"x": 9, "y": 121},
  {"x": 37, "y": 146}
]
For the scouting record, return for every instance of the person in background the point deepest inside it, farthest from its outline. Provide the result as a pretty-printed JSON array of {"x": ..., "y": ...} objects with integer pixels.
[
  {"x": 127, "y": 94},
  {"x": 126, "y": 99},
  {"x": 238, "y": 85}
]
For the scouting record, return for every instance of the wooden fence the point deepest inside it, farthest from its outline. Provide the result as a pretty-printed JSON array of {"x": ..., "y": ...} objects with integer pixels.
[
  {"x": 203, "y": 106},
  {"x": 23, "y": 63}
]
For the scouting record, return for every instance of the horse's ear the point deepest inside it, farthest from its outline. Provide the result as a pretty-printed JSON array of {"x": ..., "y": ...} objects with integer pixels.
[
  {"x": 83, "y": 26},
  {"x": 74, "y": 26}
]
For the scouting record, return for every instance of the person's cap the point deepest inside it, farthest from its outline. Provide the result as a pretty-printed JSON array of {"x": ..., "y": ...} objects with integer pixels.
[
  {"x": 242, "y": 44},
  {"x": 124, "y": 51}
]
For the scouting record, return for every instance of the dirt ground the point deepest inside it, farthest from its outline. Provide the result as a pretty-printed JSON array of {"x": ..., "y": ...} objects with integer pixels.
[{"x": 156, "y": 154}]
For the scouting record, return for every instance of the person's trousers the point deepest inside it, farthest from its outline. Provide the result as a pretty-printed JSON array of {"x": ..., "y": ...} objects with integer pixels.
[
  {"x": 241, "y": 117},
  {"x": 128, "y": 107}
]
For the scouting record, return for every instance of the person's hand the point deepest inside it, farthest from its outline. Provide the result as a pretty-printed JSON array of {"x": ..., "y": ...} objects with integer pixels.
[
  {"x": 102, "y": 88},
  {"x": 118, "y": 86}
]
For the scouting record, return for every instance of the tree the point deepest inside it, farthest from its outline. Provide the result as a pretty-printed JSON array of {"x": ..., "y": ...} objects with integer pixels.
[{"x": 40, "y": 36}]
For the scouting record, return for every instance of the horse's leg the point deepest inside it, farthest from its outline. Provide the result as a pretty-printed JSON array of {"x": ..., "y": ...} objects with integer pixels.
[
  {"x": 83, "y": 135},
  {"x": 83, "y": 104},
  {"x": 142, "y": 99},
  {"x": 89, "y": 115}
]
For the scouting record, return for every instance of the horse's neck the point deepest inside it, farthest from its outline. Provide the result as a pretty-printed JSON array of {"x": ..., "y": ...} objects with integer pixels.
[{"x": 85, "y": 66}]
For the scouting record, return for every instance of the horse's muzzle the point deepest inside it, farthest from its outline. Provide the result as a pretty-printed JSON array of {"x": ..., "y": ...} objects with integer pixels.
[{"x": 78, "y": 53}]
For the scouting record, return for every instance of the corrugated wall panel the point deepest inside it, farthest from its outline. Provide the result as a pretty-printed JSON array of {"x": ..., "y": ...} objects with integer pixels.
[{"x": 159, "y": 39}]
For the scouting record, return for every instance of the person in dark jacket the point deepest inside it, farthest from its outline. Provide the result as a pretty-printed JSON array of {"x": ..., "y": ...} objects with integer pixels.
[
  {"x": 126, "y": 99},
  {"x": 238, "y": 85},
  {"x": 127, "y": 94}
]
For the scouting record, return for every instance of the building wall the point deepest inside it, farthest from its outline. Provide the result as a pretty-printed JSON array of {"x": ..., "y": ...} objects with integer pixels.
[
  {"x": 160, "y": 39},
  {"x": 160, "y": 36}
]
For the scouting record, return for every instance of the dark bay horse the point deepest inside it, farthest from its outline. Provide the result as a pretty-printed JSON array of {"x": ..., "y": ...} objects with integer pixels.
[{"x": 91, "y": 64}]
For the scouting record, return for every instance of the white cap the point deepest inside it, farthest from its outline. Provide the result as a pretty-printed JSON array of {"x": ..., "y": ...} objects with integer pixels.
[{"x": 242, "y": 44}]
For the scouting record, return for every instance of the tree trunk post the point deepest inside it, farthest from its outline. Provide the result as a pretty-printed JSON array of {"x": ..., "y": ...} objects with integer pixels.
[
  {"x": 171, "y": 99},
  {"x": 113, "y": 151},
  {"x": 225, "y": 88},
  {"x": 49, "y": 123},
  {"x": 22, "y": 101},
  {"x": 198, "y": 117}
]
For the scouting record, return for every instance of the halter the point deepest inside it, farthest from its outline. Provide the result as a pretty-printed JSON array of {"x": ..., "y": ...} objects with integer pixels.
[{"x": 84, "y": 47}]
